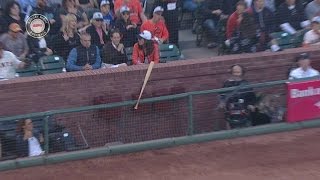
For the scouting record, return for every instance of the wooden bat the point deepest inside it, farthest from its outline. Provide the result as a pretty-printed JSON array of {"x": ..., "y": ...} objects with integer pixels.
[{"x": 146, "y": 78}]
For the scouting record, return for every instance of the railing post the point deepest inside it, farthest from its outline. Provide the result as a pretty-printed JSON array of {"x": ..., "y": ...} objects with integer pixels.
[
  {"x": 46, "y": 134},
  {"x": 190, "y": 118}
]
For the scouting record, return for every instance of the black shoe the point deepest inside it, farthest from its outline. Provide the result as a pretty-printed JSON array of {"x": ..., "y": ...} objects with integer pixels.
[{"x": 212, "y": 45}]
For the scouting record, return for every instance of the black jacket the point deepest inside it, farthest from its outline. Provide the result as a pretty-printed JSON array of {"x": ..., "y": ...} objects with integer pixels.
[
  {"x": 112, "y": 56},
  {"x": 294, "y": 17},
  {"x": 129, "y": 36},
  {"x": 95, "y": 39},
  {"x": 33, "y": 44},
  {"x": 62, "y": 47}
]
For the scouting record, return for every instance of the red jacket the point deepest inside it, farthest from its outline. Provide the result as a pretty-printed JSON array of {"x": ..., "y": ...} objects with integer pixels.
[
  {"x": 158, "y": 29},
  {"x": 232, "y": 25},
  {"x": 138, "y": 54}
]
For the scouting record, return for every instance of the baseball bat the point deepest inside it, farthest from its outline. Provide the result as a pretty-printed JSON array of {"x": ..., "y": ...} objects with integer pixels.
[{"x": 146, "y": 78}]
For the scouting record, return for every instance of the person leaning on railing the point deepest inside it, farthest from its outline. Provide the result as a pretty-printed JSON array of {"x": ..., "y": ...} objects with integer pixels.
[
  {"x": 145, "y": 50},
  {"x": 28, "y": 140}
]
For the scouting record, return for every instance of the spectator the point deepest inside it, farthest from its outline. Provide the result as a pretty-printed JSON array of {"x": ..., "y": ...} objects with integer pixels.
[
  {"x": 70, "y": 6},
  {"x": 68, "y": 37},
  {"x": 108, "y": 16},
  {"x": 313, "y": 9},
  {"x": 15, "y": 41},
  {"x": 291, "y": 17},
  {"x": 235, "y": 19},
  {"x": 264, "y": 20},
  {"x": 85, "y": 4},
  {"x": 28, "y": 140},
  {"x": 156, "y": 26},
  {"x": 212, "y": 11},
  {"x": 27, "y": 6},
  {"x": 244, "y": 96},
  {"x": 128, "y": 29},
  {"x": 48, "y": 12},
  {"x": 39, "y": 47},
  {"x": 114, "y": 51},
  {"x": 145, "y": 50},
  {"x": 98, "y": 31},
  {"x": 137, "y": 15},
  {"x": 304, "y": 70},
  {"x": 312, "y": 37},
  {"x": 170, "y": 15},
  {"x": 270, "y": 4},
  {"x": 8, "y": 64},
  {"x": 84, "y": 57},
  {"x": 12, "y": 14}
]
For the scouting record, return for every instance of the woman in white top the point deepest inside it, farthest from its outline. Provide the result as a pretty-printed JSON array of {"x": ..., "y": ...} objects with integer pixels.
[{"x": 28, "y": 141}]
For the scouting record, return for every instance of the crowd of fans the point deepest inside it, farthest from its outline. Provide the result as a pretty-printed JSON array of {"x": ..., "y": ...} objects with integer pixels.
[
  {"x": 250, "y": 23},
  {"x": 88, "y": 34}
]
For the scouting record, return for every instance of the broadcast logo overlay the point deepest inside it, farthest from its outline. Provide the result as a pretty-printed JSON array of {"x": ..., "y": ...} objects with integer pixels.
[{"x": 37, "y": 26}]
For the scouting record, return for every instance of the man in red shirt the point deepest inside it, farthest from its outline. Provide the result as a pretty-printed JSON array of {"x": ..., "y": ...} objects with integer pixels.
[
  {"x": 156, "y": 26},
  {"x": 137, "y": 15},
  {"x": 235, "y": 19}
]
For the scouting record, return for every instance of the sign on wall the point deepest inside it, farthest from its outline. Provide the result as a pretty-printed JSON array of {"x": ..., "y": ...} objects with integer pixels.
[{"x": 303, "y": 100}]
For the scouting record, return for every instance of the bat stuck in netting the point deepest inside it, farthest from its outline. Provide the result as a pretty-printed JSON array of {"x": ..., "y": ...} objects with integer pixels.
[{"x": 146, "y": 79}]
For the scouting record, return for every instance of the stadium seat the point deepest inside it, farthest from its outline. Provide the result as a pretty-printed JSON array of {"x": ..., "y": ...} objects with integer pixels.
[
  {"x": 32, "y": 70},
  {"x": 51, "y": 65},
  {"x": 286, "y": 40},
  {"x": 169, "y": 52}
]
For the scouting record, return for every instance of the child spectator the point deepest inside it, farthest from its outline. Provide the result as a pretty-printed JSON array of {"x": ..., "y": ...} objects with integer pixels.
[
  {"x": 28, "y": 140},
  {"x": 68, "y": 37},
  {"x": 304, "y": 70},
  {"x": 145, "y": 50},
  {"x": 108, "y": 16},
  {"x": 84, "y": 57},
  {"x": 8, "y": 64},
  {"x": 156, "y": 26},
  {"x": 235, "y": 19},
  {"x": 128, "y": 29},
  {"x": 70, "y": 6},
  {"x": 114, "y": 54},
  {"x": 312, "y": 37},
  {"x": 15, "y": 42},
  {"x": 137, "y": 15},
  {"x": 98, "y": 31}
]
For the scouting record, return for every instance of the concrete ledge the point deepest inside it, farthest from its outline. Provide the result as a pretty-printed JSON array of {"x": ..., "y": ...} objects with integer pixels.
[{"x": 155, "y": 144}]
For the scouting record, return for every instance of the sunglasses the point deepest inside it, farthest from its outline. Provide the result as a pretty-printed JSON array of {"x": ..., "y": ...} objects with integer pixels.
[
  {"x": 99, "y": 20},
  {"x": 125, "y": 13}
]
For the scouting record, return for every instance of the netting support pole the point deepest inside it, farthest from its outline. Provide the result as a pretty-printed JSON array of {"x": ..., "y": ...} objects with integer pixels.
[
  {"x": 46, "y": 134},
  {"x": 190, "y": 118}
]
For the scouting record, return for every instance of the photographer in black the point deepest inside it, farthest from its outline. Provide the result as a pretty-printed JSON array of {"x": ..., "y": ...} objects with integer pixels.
[{"x": 235, "y": 102}]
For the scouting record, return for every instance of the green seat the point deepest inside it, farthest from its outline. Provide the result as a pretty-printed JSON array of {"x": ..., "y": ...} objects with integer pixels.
[
  {"x": 286, "y": 40},
  {"x": 169, "y": 52},
  {"x": 51, "y": 65},
  {"x": 129, "y": 51},
  {"x": 32, "y": 70}
]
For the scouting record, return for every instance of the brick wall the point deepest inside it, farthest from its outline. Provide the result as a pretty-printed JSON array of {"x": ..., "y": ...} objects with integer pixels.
[{"x": 47, "y": 92}]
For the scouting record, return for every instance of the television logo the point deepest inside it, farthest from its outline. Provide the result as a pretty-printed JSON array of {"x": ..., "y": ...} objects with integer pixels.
[{"x": 37, "y": 26}]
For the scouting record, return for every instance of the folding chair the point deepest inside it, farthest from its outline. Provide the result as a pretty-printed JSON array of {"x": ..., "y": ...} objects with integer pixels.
[
  {"x": 169, "y": 52},
  {"x": 51, "y": 65}
]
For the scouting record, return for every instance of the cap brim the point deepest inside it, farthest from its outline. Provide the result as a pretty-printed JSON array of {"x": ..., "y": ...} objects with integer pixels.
[{"x": 16, "y": 30}]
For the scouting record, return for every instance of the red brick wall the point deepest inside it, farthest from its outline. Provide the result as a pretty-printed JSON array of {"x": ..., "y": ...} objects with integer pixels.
[{"x": 47, "y": 92}]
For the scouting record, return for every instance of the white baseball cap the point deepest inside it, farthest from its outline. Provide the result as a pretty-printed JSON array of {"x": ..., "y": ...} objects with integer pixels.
[
  {"x": 104, "y": 2},
  {"x": 146, "y": 35},
  {"x": 124, "y": 9},
  {"x": 97, "y": 15},
  {"x": 157, "y": 9}
]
